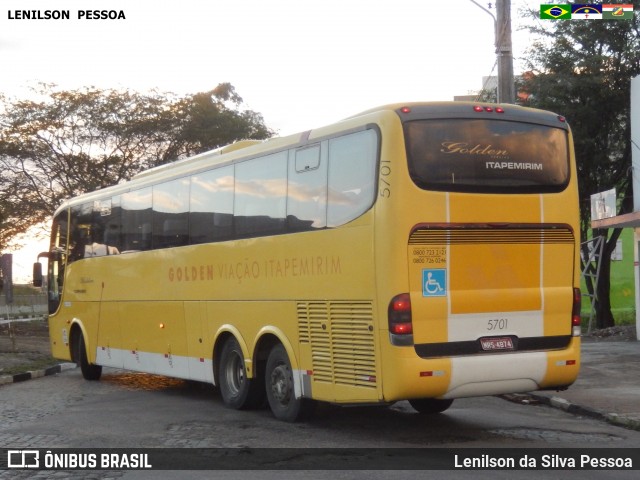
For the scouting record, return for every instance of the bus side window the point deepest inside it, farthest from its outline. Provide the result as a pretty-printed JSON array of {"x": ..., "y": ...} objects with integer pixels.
[
  {"x": 352, "y": 168},
  {"x": 80, "y": 232},
  {"x": 211, "y": 205},
  {"x": 307, "y": 189},
  {"x": 260, "y": 195},
  {"x": 171, "y": 213},
  {"x": 107, "y": 226},
  {"x": 136, "y": 220},
  {"x": 98, "y": 231}
]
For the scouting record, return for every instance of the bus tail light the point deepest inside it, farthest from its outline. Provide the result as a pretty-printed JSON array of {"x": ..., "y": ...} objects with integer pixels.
[
  {"x": 575, "y": 314},
  {"x": 400, "y": 321},
  {"x": 488, "y": 109}
]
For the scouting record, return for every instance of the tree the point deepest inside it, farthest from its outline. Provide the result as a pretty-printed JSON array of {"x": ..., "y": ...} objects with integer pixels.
[
  {"x": 64, "y": 143},
  {"x": 211, "y": 118},
  {"x": 583, "y": 70},
  {"x": 11, "y": 222}
]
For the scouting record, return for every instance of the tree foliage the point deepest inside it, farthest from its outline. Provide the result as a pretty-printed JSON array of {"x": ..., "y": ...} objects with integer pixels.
[
  {"x": 211, "y": 119},
  {"x": 583, "y": 70},
  {"x": 59, "y": 144}
]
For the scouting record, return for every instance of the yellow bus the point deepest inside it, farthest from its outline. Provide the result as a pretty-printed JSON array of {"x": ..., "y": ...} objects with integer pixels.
[{"x": 419, "y": 252}]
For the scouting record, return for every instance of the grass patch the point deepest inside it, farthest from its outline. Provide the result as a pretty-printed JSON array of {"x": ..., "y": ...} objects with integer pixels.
[{"x": 28, "y": 366}]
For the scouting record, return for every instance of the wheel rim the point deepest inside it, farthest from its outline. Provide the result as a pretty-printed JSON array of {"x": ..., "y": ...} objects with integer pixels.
[
  {"x": 281, "y": 384},
  {"x": 234, "y": 375}
]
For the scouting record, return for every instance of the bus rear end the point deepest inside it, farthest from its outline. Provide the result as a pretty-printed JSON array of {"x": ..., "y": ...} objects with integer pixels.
[{"x": 491, "y": 303}]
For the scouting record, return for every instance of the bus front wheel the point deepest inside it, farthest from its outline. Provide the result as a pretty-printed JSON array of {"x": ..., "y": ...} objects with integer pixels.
[
  {"x": 430, "y": 405},
  {"x": 280, "y": 388},
  {"x": 89, "y": 370},
  {"x": 238, "y": 391}
]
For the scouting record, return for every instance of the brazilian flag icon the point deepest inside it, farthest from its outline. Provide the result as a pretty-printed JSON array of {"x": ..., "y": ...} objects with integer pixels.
[{"x": 555, "y": 12}]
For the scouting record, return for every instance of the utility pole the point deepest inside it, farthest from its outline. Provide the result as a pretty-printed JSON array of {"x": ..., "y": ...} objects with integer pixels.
[
  {"x": 6, "y": 276},
  {"x": 502, "y": 33},
  {"x": 506, "y": 84}
]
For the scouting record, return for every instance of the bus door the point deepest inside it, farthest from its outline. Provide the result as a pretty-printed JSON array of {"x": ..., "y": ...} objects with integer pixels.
[{"x": 57, "y": 260}]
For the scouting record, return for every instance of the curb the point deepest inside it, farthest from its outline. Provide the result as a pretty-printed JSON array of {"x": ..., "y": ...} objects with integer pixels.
[
  {"x": 626, "y": 421},
  {"x": 23, "y": 377}
]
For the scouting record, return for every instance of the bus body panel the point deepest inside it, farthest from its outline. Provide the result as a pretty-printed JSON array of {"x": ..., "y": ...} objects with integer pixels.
[
  {"x": 491, "y": 286},
  {"x": 407, "y": 377},
  {"x": 171, "y": 328}
]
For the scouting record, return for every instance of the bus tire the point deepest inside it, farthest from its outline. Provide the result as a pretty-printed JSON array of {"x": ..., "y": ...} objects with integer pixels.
[
  {"x": 238, "y": 391},
  {"x": 89, "y": 370},
  {"x": 429, "y": 406},
  {"x": 280, "y": 388}
]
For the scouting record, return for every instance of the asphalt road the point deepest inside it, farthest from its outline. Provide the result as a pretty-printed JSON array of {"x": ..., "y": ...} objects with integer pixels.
[{"x": 133, "y": 410}]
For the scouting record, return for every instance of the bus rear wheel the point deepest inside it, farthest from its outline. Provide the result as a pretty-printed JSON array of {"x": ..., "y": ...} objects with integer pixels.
[
  {"x": 280, "y": 388},
  {"x": 89, "y": 370},
  {"x": 430, "y": 405},
  {"x": 237, "y": 390}
]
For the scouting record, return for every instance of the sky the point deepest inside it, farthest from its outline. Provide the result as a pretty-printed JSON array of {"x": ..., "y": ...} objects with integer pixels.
[{"x": 301, "y": 64}]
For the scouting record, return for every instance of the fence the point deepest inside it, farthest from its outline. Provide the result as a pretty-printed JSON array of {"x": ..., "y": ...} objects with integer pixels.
[{"x": 24, "y": 306}]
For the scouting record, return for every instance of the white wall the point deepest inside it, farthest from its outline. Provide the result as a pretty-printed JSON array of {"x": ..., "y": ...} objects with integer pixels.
[
  {"x": 635, "y": 160},
  {"x": 635, "y": 138}
]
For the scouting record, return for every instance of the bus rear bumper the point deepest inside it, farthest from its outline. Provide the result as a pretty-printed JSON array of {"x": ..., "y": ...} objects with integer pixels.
[{"x": 485, "y": 374}]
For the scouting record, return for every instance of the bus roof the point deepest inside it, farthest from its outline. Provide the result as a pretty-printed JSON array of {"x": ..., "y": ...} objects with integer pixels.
[{"x": 245, "y": 149}]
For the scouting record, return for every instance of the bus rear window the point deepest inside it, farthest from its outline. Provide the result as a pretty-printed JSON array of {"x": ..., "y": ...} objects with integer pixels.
[{"x": 487, "y": 156}]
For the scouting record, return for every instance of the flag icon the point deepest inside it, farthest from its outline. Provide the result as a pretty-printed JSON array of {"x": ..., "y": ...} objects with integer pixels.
[
  {"x": 555, "y": 12},
  {"x": 617, "y": 11},
  {"x": 586, "y": 12}
]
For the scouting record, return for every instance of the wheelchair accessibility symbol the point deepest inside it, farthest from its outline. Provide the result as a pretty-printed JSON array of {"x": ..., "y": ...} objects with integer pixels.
[{"x": 434, "y": 282}]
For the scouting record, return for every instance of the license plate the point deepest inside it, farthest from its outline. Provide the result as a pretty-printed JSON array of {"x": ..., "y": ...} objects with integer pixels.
[{"x": 496, "y": 343}]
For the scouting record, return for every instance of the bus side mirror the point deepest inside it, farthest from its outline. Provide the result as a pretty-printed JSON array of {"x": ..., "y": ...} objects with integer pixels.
[
  {"x": 37, "y": 269},
  {"x": 37, "y": 274}
]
